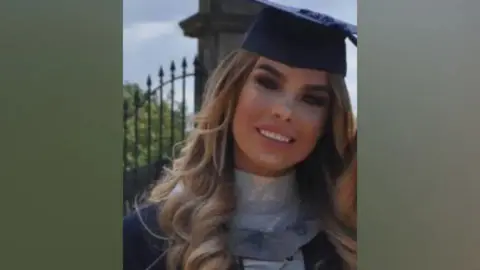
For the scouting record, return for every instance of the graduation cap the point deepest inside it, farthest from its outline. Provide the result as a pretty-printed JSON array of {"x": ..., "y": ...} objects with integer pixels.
[{"x": 300, "y": 38}]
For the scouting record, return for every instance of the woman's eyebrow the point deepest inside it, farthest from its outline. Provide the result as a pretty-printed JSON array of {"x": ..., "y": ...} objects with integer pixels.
[
  {"x": 317, "y": 88},
  {"x": 270, "y": 69}
]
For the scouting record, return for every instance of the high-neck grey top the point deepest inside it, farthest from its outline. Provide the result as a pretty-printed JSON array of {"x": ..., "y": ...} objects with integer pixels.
[{"x": 270, "y": 225}]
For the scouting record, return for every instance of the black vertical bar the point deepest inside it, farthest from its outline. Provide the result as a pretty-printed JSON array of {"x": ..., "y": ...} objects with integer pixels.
[
  {"x": 136, "y": 148},
  {"x": 125, "y": 149},
  {"x": 125, "y": 132},
  {"x": 160, "y": 114},
  {"x": 149, "y": 123},
  {"x": 198, "y": 84},
  {"x": 184, "y": 86},
  {"x": 172, "y": 108}
]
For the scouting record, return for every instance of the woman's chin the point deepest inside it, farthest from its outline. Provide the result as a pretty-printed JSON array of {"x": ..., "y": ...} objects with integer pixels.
[{"x": 273, "y": 163}]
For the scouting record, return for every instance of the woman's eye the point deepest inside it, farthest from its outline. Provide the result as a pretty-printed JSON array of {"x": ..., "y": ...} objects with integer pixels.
[
  {"x": 316, "y": 100},
  {"x": 267, "y": 83}
]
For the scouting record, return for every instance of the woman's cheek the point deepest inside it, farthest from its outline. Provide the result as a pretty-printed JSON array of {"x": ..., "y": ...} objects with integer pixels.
[{"x": 310, "y": 115}]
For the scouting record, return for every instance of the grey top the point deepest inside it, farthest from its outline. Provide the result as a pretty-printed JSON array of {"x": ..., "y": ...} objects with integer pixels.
[{"x": 270, "y": 225}]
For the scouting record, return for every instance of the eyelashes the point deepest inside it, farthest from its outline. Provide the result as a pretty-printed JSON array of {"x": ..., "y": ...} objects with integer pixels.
[
  {"x": 316, "y": 101},
  {"x": 270, "y": 84},
  {"x": 266, "y": 83}
]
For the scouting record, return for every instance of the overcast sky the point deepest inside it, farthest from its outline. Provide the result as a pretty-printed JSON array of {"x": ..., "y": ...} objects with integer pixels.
[{"x": 152, "y": 37}]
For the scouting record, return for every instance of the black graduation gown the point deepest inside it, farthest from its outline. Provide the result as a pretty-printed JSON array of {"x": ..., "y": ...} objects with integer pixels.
[{"x": 141, "y": 250}]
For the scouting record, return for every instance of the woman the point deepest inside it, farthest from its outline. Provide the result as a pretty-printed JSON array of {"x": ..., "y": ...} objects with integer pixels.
[{"x": 255, "y": 184}]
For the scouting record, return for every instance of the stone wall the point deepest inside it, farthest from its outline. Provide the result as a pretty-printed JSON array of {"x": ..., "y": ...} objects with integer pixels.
[{"x": 219, "y": 27}]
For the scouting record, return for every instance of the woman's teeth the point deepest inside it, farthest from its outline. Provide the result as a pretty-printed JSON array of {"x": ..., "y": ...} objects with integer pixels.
[{"x": 275, "y": 136}]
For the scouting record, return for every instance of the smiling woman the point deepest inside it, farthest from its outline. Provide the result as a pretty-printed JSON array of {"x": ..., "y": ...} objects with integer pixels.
[
  {"x": 257, "y": 185},
  {"x": 273, "y": 95}
]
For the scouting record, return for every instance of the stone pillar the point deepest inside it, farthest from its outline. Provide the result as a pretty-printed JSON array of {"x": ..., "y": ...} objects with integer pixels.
[{"x": 219, "y": 26}]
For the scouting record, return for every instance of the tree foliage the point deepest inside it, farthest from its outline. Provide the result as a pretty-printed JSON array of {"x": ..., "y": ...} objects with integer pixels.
[{"x": 138, "y": 124}]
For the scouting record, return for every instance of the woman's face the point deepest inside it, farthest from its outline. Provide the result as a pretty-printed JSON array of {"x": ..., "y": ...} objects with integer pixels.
[{"x": 280, "y": 115}]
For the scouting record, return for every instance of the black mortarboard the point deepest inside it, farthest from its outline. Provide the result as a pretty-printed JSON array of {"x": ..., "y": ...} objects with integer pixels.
[{"x": 300, "y": 38}]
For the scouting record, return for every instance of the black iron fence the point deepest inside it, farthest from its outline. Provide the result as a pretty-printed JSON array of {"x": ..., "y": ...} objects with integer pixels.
[{"x": 154, "y": 121}]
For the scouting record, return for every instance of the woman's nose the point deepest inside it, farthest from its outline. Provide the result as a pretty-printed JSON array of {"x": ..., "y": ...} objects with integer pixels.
[{"x": 283, "y": 110}]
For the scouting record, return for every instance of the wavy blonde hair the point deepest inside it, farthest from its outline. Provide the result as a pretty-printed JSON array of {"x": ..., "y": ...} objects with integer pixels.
[
  {"x": 342, "y": 225},
  {"x": 193, "y": 217}
]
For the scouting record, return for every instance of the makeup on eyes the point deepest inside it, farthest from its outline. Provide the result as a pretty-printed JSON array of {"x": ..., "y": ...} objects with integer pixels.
[{"x": 315, "y": 95}]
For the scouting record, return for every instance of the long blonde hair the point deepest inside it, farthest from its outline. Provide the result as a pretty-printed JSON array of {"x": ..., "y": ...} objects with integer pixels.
[
  {"x": 342, "y": 225},
  {"x": 193, "y": 216}
]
